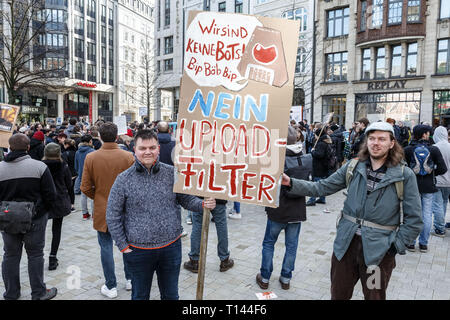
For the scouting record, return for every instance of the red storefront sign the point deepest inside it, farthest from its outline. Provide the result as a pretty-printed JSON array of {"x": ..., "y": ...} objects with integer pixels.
[{"x": 86, "y": 84}]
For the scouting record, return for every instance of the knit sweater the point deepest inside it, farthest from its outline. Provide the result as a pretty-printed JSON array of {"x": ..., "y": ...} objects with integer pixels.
[{"x": 143, "y": 211}]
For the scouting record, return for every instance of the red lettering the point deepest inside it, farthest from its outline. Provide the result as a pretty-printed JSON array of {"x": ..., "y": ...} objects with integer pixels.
[
  {"x": 242, "y": 129},
  {"x": 182, "y": 125},
  {"x": 214, "y": 151},
  {"x": 203, "y": 132},
  {"x": 212, "y": 176},
  {"x": 230, "y": 147},
  {"x": 267, "y": 145},
  {"x": 265, "y": 189},
  {"x": 188, "y": 173},
  {"x": 233, "y": 176},
  {"x": 201, "y": 179},
  {"x": 246, "y": 186}
]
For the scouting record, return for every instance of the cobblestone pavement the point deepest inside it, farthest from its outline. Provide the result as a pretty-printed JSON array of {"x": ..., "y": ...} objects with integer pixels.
[{"x": 417, "y": 275}]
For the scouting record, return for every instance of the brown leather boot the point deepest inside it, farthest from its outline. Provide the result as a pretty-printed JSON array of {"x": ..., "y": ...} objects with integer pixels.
[
  {"x": 191, "y": 265},
  {"x": 226, "y": 264}
]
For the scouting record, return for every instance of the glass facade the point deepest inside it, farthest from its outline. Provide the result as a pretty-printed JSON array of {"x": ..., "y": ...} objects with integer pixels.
[
  {"x": 334, "y": 104},
  {"x": 401, "y": 106},
  {"x": 76, "y": 104},
  {"x": 441, "y": 108}
]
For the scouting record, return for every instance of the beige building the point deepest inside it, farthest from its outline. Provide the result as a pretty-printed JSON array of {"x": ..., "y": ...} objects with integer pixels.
[{"x": 381, "y": 59}]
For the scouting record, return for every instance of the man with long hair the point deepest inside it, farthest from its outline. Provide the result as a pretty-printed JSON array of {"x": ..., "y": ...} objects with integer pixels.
[{"x": 370, "y": 230}]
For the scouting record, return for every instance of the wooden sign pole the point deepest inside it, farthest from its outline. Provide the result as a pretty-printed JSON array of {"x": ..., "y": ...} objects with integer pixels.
[{"x": 203, "y": 250}]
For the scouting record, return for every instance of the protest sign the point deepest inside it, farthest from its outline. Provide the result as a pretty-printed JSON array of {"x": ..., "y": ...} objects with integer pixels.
[
  {"x": 8, "y": 117},
  {"x": 236, "y": 96},
  {"x": 121, "y": 122}
]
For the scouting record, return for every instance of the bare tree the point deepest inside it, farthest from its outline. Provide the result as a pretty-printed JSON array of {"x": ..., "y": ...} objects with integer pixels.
[{"x": 27, "y": 59}]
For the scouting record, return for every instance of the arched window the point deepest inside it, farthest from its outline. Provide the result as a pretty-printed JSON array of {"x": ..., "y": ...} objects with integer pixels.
[{"x": 298, "y": 14}]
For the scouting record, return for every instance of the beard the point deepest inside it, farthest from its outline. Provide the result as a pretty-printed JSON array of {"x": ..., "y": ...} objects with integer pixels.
[{"x": 379, "y": 157}]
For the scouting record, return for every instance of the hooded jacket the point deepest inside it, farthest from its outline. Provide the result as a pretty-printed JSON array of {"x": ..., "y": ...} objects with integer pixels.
[
  {"x": 381, "y": 206},
  {"x": 440, "y": 137},
  {"x": 167, "y": 144},
  {"x": 83, "y": 150},
  {"x": 292, "y": 208},
  {"x": 427, "y": 183},
  {"x": 63, "y": 181}
]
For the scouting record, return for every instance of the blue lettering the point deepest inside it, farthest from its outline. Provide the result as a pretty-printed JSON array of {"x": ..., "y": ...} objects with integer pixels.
[
  {"x": 237, "y": 107},
  {"x": 221, "y": 105},
  {"x": 206, "y": 107},
  {"x": 260, "y": 112}
]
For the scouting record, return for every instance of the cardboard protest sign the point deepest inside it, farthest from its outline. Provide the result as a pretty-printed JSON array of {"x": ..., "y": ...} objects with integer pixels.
[
  {"x": 236, "y": 96},
  {"x": 8, "y": 117},
  {"x": 121, "y": 122}
]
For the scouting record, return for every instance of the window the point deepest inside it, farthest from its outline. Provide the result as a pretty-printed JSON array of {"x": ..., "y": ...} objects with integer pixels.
[
  {"x": 380, "y": 63},
  {"x": 336, "y": 66},
  {"x": 91, "y": 51},
  {"x": 300, "y": 64},
  {"x": 79, "y": 25},
  {"x": 110, "y": 17},
  {"x": 395, "y": 11},
  {"x": 222, "y": 6},
  {"x": 103, "y": 56},
  {"x": 111, "y": 76},
  {"x": 207, "y": 5},
  {"x": 443, "y": 59},
  {"x": 91, "y": 8},
  {"x": 411, "y": 59},
  {"x": 337, "y": 21},
  {"x": 377, "y": 13},
  {"x": 238, "y": 6},
  {"x": 79, "y": 48},
  {"x": 168, "y": 65},
  {"x": 396, "y": 61},
  {"x": 91, "y": 30},
  {"x": 111, "y": 57},
  {"x": 445, "y": 9},
  {"x": 111, "y": 36},
  {"x": 441, "y": 106},
  {"x": 167, "y": 13},
  {"x": 91, "y": 72},
  {"x": 79, "y": 70},
  {"x": 363, "y": 22},
  {"x": 365, "y": 70},
  {"x": 337, "y": 105},
  {"x": 54, "y": 40},
  {"x": 79, "y": 5},
  {"x": 103, "y": 17},
  {"x": 158, "y": 47},
  {"x": 103, "y": 34},
  {"x": 413, "y": 11},
  {"x": 168, "y": 45},
  {"x": 104, "y": 75},
  {"x": 298, "y": 14}
]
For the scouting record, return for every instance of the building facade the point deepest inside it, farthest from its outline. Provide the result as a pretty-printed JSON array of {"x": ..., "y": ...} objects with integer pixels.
[{"x": 383, "y": 58}]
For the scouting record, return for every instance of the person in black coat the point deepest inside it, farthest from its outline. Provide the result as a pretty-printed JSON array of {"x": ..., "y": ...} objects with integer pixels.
[
  {"x": 288, "y": 217},
  {"x": 320, "y": 155},
  {"x": 68, "y": 155},
  {"x": 166, "y": 143},
  {"x": 36, "y": 151},
  {"x": 61, "y": 207}
]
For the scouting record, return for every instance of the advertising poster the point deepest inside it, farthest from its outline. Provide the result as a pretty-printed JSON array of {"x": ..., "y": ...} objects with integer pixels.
[
  {"x": 235, "y": 102},
  {"x": 8, "y": 117}
]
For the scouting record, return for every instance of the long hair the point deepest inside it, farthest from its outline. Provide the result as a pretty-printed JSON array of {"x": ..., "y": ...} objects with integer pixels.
[{"x": 395, "y": 155}]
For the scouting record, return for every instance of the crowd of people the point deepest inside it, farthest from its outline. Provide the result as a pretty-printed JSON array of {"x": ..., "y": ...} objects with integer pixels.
[{"x": 396, "y": 180}]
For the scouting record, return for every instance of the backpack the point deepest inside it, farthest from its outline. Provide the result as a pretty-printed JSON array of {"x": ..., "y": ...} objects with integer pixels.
[{"x": 421, "y": 162}]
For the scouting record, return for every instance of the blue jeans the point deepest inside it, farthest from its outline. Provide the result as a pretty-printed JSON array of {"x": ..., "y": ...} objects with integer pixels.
[
  {"x": 313, "y": 199},
  {"x": 220, "y": 219},
  {"x": 143, "y": 263},
  {"x": 440, "y": 200},
  {"x": 106, "y": 253},
  {"x": 84, "y": 204},
  {"x": 427, "y": 214},
  {"x": 273, "y": 229},
  {"x": 237, "y": 207},
  {"x": 77, "y": 185}
]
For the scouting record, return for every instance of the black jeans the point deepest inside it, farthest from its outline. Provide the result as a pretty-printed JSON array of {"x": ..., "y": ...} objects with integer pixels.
[
  {"x": 56, "y": 232},
  {"x": 34, "y": 241}
]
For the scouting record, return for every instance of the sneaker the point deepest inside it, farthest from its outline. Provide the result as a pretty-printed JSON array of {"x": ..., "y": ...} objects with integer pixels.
[
  {"x": 326, "y": 210},
  {"x": 128, "y": 286},
  {"x": 191, "y": 265},
  {"x": 321, "y": 202},
  {"x": 110, "y": 293},
  {"x": 310, "y": 203},
  {"x": 189, "y": 221},
  {"x": 423, "y": 248},
  {"x": 259, "y": 280},
  {"x": 184, "y": 234},
  {"x": 235, "y": 216},
  {"x": 438, "y": 233},
  {"x": 447, "y": 225},
  {"x": 411, "y": 248},
  {"x": 86, "y": 216},
  {"x": 72, "y": 208},
  {"x": 284, "y": 286},
  {"x": 226, "y": 264},
  {"x": 49, "y": 294}
]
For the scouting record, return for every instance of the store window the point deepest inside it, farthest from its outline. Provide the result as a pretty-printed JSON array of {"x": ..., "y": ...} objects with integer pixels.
[
  {"x": 76, "y": 104},
  {"x": 401, "y": 106},
  {"x": 441, "y": 108},
  {"x": 335, "y": 104}
]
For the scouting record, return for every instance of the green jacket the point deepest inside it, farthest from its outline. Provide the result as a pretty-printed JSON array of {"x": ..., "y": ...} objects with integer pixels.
[{"x": 382, "y": 206}]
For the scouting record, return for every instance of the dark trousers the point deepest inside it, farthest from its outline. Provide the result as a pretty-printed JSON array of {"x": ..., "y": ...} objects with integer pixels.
[
  {"x": 142, "y": 263},
  {"x": 346, "y": 273},
  {"x": 56, "y": 235},
  {"x": 34, "y": 241}
]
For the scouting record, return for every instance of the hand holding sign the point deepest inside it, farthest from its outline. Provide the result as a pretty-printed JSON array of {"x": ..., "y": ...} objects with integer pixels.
[{"x": 209, "y": 203}]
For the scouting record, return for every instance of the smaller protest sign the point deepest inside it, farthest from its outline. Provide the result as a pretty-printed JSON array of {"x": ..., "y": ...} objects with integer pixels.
[
  {"x": 8, "y": 116},
  {"x": 121, "y": 122}
]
